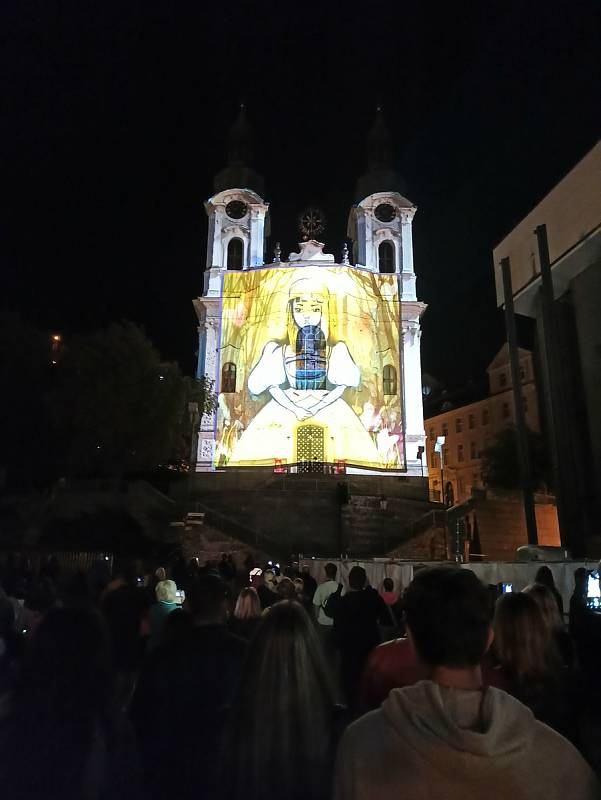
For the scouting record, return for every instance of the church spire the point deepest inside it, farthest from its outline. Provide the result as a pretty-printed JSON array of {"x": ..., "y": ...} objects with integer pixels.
[
  {"x": 381, "y": 175},
  {"x": 379, "y": 143},
  {"x": 240, "y": 150},
  {"x": 238, "y": 174}
]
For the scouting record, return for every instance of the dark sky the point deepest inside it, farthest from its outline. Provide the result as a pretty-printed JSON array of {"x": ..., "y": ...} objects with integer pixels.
[{"x": 115, "y": 114}]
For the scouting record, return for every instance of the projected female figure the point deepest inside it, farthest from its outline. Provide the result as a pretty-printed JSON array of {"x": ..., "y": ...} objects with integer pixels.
[{"x": 306, "y": 376}]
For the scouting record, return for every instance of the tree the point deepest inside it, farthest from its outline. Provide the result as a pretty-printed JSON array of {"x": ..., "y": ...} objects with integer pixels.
[
  {"x": 116, "y": 407},
  {"x": 25, "y": 370},
  {"x": 500, "y": 462}
]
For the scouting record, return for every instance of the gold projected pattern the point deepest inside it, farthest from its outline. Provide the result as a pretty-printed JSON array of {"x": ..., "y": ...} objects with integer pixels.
[{"x": 314, "y": 350}]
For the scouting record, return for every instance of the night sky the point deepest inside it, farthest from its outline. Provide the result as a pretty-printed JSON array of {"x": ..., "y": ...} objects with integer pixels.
[{"x": 115, "y": 116}]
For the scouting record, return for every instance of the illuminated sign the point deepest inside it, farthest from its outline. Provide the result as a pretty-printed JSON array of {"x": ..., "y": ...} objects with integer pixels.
[{"x": 310, "y": 369}]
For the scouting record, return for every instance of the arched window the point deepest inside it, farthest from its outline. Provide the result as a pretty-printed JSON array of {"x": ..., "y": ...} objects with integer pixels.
[
  {"x": 235, "y": 254},
  {"x": 228, "y": 378},
  {"x": 386, "y": 256},
  {"x": 390, "y": 383}
]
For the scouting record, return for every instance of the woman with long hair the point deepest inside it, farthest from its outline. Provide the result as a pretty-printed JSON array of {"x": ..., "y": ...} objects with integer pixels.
[
  {"x": 247, "y": 613},
  {"x": 545, "y": 577},
  {"x": 63, "y": 737},
  {"x": 545, "y": 600},
  {"x": 281, "y": 737},
  {"x": 530, "y": 665}
]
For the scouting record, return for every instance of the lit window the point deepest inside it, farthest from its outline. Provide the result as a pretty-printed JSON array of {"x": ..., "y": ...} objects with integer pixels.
[
  {"x": 235, "y": 254},
  {"x": 502, "y": 379},
  {"x": 389, "y": 380},
  {"x": 386, "y": 257},
  {"x": 458, "y": 425},
  {"x": 459, "y": 452},
  {"x": 228, "y": 378},
  {"x": 471, "y": 421}
]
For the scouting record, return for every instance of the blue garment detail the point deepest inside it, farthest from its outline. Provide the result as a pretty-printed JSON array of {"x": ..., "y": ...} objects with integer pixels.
[{"x": 311, "y": 365}]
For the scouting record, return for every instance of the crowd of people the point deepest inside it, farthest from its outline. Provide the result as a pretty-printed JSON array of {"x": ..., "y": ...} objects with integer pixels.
[{"x": 231, "y": 681}]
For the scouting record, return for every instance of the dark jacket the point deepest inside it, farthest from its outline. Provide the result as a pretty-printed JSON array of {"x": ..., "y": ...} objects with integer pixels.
[{"x": 178, "y": 710}]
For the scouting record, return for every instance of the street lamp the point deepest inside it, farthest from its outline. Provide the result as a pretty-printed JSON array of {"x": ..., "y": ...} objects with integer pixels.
[{"x": 439, "y": 448}]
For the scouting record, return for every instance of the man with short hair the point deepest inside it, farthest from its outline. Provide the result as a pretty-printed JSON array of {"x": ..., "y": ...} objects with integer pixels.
[
  {"x": 322, "y": 593},
  {"x": 448, "y": 738}
]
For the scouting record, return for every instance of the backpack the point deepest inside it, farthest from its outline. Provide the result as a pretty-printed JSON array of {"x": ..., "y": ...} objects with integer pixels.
[{"x": 330, "y": 607}]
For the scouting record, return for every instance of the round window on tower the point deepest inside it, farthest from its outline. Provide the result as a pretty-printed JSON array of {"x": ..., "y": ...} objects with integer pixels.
[
  {"x": 236, "y": 209},
  {"x": 385, "y": 212}
]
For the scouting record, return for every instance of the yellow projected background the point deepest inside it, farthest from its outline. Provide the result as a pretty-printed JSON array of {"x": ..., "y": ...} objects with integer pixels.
[{"x": 310, "y": 369}]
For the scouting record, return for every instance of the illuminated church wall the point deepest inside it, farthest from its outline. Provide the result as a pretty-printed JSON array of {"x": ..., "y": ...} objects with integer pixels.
[{"x": 309, "y": 369}]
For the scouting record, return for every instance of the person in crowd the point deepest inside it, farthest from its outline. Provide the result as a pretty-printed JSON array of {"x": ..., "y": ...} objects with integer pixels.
[
  {"x": 325, "y": 623},
  {"x": 40, "y": 599},
  {"x": 390, "y": 665},
  {"x": 266, "y": 596},
  {"x": 545, "y": 600},
  {"x": 64, "y": 738},
  {"x": 166, "y": 602},
  {"x": 247, "y": 614},
  {"x": 285, "y": 590},
  {"x": 10, "y": 651},
  {"x": 283, "y": 725},
  {"x": 183, "y": 689},
  {"x": 310, "y": 584},
  {"x": 389, "y": 596},
  {"x": 302, "y": 596},
  {"x": 77, "y": 592},
  {"x": 578, "y": 600},
  {"x": 356, "y": 630},
  {"x": 448, "y": 737},
  {"x": 545, "y": 576},
  {"x": 269, "y": 576},
  {"x": 123, "y": 605},
  {"x": 530, "y": 664}
]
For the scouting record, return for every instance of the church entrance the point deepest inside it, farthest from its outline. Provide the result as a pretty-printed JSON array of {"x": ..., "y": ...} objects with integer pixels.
[{"x": 310, "y": 452}]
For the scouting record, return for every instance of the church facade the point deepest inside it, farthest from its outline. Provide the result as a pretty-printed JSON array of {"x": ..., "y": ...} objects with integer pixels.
[{"x": 315, "y": 360}]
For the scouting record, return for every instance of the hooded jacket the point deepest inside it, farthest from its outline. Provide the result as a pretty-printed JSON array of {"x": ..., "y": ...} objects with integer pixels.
[{"x": 427, "y": 742}]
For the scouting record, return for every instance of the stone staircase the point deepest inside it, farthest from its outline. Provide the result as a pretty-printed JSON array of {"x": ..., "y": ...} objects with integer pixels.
[{"x": 312, "y": 514}]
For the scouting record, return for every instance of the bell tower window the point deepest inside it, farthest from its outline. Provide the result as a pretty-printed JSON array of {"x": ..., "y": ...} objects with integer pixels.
[
  {"x": 386, "y": 257},
  {"x": 228, "y": 378},
  {"x": 235, "y": 254}
]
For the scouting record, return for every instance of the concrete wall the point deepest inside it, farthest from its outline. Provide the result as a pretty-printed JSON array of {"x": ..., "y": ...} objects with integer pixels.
[{"x": 571, "y": 210}]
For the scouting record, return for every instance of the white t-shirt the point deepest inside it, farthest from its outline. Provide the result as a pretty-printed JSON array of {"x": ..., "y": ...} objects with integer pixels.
[{"x": 320, "y": 598}]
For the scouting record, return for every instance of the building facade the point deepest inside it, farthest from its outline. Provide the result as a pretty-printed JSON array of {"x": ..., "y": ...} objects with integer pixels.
[
  {"x": 316, "y": 361},
  {"x": 564, "y": 231},
  {"x": 471, "y": 428}
]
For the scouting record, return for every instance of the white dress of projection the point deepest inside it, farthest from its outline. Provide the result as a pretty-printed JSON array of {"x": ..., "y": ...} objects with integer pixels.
[{"x": 272, "y": 433}]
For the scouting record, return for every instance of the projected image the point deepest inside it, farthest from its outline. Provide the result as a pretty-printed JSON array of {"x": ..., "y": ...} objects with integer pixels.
[{"x": 310, "y": 369}]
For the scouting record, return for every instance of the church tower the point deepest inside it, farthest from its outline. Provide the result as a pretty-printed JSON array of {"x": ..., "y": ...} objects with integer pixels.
[
  {"x": 238, "y": 228},
  {"x": 380, "y": 228}
]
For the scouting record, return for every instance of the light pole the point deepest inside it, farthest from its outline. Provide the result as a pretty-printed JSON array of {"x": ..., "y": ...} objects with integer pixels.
[{"x": 439, "y": 448}]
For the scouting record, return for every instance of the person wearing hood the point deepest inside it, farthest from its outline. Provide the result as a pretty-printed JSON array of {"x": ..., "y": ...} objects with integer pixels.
[{"x": 448, "y": 738}]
